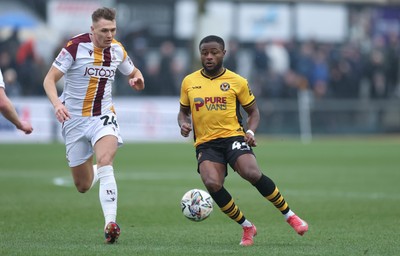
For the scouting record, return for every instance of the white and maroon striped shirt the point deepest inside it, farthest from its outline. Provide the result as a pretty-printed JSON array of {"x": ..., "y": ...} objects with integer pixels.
[{"x": 89, "y": 73}]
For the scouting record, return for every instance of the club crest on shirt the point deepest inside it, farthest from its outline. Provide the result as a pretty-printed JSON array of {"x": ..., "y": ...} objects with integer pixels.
[{"x": 224, "y": 87}]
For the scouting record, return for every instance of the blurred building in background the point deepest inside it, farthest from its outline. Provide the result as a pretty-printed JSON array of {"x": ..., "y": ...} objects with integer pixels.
[{"x": 316, "y": 67}]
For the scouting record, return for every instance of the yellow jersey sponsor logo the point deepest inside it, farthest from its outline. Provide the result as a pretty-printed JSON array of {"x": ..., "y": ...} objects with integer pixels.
[{"x": 211, "y": 103}]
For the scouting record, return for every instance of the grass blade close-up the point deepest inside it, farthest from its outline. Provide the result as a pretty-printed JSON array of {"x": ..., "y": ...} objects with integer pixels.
[{"x": 345, "y": 188}]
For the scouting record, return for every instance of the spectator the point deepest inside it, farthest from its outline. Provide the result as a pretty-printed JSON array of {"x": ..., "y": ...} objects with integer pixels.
[
  {"x": 231, "y": 61},
  {"x": 392, "y": 56},
  {"x": 376, "y": 69},
  {"x": 261, "y": 64},
  {"x": 304, "y": 62},
  {"x": 166, "y": 70},
  {"x": 30, "y": 68},
  {"x": 279, "y": 65},
  {"x": 345, "y": 73},
  {"x": 13, "y": 86},
  {"x": 320, "y": 74},
  {"x": 6, "y": 60},
  {"x": 11, "y": 45}
]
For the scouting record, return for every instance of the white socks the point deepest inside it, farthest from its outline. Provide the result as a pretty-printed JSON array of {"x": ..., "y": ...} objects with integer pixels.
[
  {"x": 246, "y": 223},
  {"x": 289, "y": 214},
  {"x": 108, "y": 193},
  {"x": 95, "y": 176}
]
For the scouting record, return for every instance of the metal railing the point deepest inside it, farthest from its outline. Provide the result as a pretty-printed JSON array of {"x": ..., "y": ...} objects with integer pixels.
[{"x": 306, "y": 116}]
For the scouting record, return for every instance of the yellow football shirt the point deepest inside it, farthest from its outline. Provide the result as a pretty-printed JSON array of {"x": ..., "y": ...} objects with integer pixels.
[{"x": 215, "y": 104}]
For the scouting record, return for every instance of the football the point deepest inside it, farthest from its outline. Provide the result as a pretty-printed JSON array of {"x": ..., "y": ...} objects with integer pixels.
[{"x": 196, "y": 205}]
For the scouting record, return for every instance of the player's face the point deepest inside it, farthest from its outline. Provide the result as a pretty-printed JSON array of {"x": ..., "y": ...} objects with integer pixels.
[
  {"x": 212, "y": 56},
  {"x": 103, "y": 32}
]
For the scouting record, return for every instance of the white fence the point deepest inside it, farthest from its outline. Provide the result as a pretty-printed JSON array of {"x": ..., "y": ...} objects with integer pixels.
[
  {"x": 150, "y": 119},
  {"x": 140, "y": 119},
  {"x": 306, "y": 116}
]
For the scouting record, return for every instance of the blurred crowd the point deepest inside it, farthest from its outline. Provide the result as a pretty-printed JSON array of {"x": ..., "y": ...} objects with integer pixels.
[
  {"x": 362, "y": 66},
  {"x": 345, "y": 70},
  {"x": 23, "y": 69}
]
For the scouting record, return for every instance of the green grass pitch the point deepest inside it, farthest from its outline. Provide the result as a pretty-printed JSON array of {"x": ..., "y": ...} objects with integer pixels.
[{"x": 347, "y": 189}]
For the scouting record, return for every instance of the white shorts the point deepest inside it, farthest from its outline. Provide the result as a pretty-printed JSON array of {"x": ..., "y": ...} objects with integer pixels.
[{"x": 81, "y": 133}]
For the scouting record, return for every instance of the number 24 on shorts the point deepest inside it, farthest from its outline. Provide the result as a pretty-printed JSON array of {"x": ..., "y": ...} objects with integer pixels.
[{"x": 109, "y": 119}]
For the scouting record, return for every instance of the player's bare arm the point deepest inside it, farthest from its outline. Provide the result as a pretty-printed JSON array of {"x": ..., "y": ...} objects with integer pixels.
[
  {"x": 9, "y": 112},
  {"x": 253, "y": 119},
  {"x": 136, "y": 80},
  {"x": 49, "y": 85},
  {"x": 184, "y": 121}
]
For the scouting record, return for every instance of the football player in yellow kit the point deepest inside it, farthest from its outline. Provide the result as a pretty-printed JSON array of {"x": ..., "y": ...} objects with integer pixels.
[{"x": 210, "y": 103}]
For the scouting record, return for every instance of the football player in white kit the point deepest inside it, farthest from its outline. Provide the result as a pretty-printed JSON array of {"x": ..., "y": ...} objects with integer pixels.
[
  {"x": 7, "y": 109},
  {"x": 89, "y": 64}
]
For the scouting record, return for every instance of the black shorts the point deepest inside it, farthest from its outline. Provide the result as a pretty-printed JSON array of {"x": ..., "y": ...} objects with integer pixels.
[{"x": 224, "y": 151}]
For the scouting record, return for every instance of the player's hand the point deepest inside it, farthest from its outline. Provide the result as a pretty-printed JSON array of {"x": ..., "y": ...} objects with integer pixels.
[
  {"x": 137, "y": 83},
  {"x": 250, "y": 139},
  {"x": 186, "y": 128},
  {"x": 61, "y": 113},
  {"x": 26, "y": 127}
]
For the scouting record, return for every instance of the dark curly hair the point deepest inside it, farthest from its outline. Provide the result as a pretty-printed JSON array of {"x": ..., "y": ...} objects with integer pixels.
[{"x": 213, "y": 38}]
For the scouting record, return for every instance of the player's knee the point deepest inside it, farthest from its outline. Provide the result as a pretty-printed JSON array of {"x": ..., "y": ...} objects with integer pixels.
[
  {"x": 251, "y": 176},
  {"x": 104, "y": 160},
  {"x": 212, "y": 185},
  {"x": 82, "y": 187}
]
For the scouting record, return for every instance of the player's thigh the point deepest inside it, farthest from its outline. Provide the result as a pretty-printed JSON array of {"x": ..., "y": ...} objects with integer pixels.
[
  {"x": 106, "y": 138},
  {"x": 212, "y": 172},
  {"x": 246, "y": 166},
  {"x": 78, "y": 147},
  {"x": 212, "y": 167}
]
